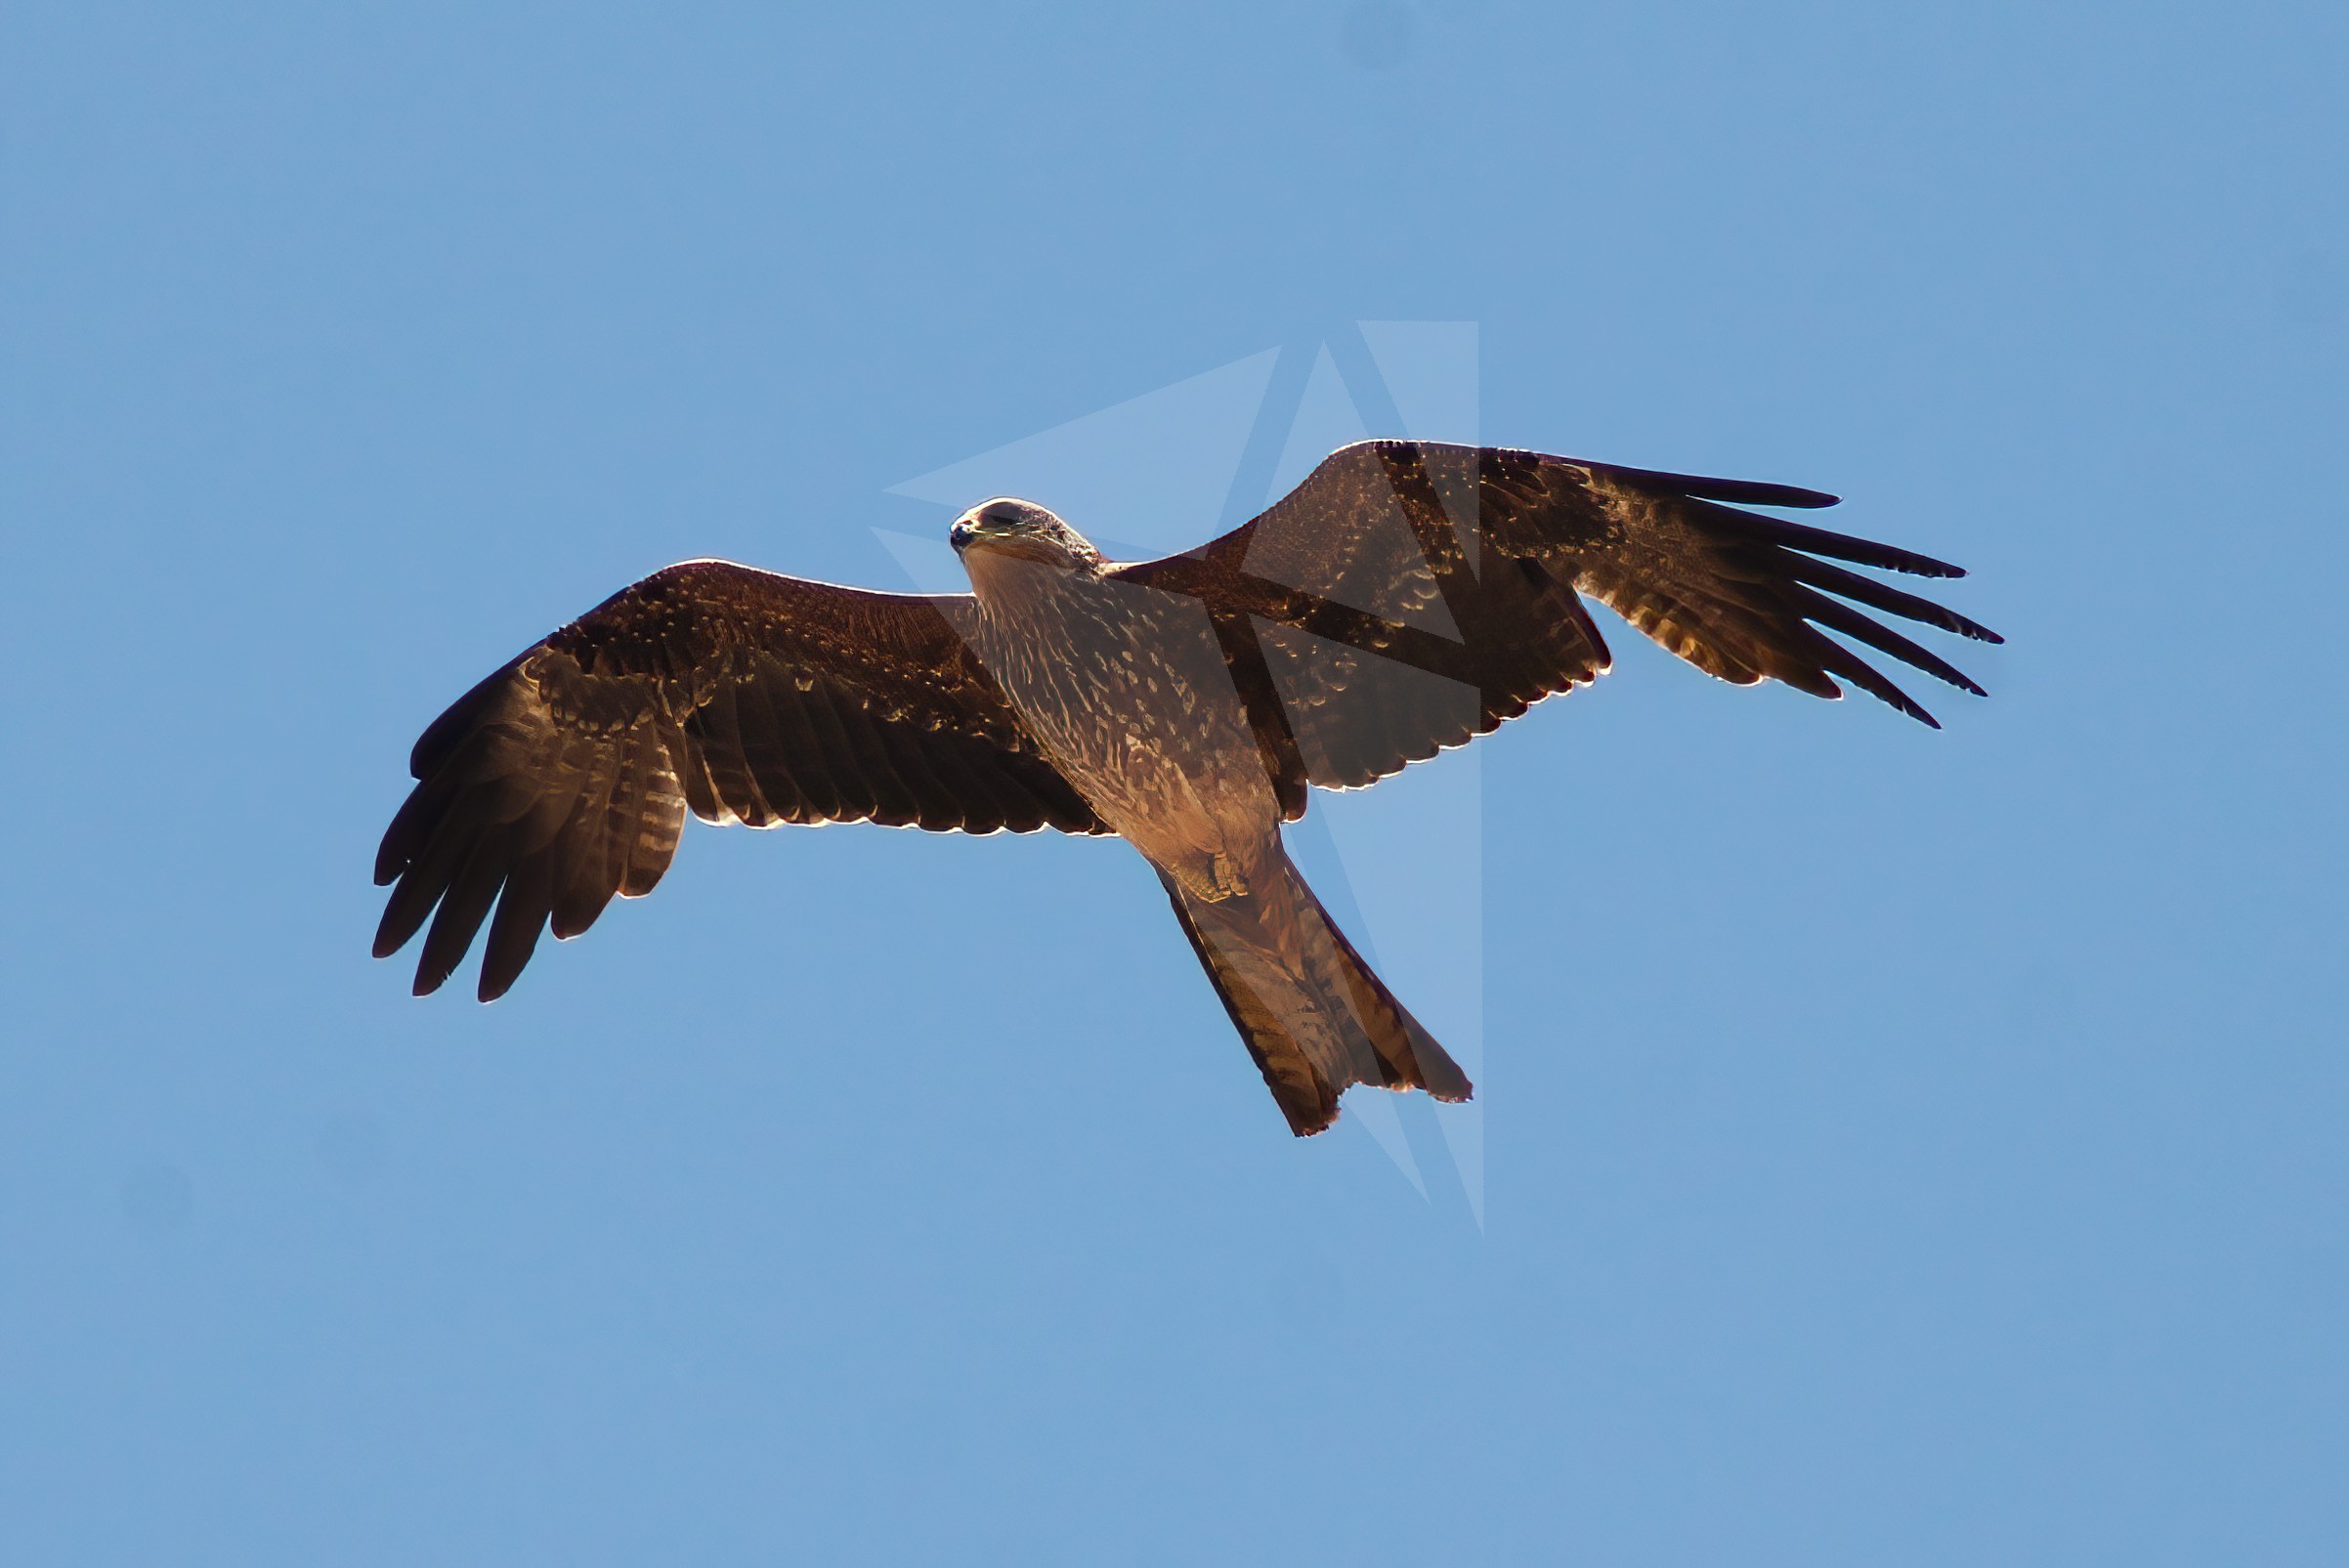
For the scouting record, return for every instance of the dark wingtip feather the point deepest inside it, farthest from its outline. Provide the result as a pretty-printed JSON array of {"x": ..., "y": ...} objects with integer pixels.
[
  {"x": 1891, "y": 696},
  {"x": 391, "y": 855},
  {"x": 1743, "y": 491},
  {"x": 403, "y": 838},
  {"x": 1837, "y": 616},
  {"x": 1866, "y": 552},
  {"x": 1861, "y": 673},
  {"x": 431, "y": 976},
  {"x": 1832, "y": 656},
  {"x": 404, "y": 912},
  {"x": 1825, "y": 542},
  {"x": 464, "y": 908},
  {"x": 522, "y": 910},
  {"x": 1877, "y": 596}
]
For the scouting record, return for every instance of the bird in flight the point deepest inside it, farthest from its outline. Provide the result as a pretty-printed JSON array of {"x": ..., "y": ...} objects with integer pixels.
[{"x": 1405, "y": 597}]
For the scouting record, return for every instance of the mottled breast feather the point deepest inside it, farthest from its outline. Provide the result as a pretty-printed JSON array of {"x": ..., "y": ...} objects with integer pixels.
[
  {"x": 1407, "y": 597},
  {"x": 740, "y": 694}
]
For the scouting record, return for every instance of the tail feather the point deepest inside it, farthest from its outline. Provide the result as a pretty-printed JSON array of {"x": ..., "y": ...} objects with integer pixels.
[{"x": 1312, "y": 1014}]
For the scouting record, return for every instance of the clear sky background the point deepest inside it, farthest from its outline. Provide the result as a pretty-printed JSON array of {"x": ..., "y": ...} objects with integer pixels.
[{"x": 1897, "y": 1147}]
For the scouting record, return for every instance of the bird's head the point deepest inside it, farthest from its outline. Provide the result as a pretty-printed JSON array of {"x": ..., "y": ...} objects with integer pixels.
[{"x": 1004, "y": 528}]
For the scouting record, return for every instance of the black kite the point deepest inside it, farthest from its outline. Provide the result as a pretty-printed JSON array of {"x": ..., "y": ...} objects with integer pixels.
[{"x": 1405, "y": 597}]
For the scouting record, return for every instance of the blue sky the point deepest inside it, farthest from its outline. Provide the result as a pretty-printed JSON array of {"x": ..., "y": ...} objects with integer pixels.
[{"x": 1893, "y": 1146}]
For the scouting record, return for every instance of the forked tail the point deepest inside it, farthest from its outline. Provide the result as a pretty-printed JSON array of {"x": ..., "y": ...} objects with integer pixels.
[{"x": 1312, "y": 1014}]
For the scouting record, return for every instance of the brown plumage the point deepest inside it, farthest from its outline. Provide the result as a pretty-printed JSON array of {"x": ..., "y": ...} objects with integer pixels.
[{"x": 1404, "y": 599}]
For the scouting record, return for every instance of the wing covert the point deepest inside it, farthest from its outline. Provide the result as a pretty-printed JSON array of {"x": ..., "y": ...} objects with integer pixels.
[{"x": 1366, "y": 627}]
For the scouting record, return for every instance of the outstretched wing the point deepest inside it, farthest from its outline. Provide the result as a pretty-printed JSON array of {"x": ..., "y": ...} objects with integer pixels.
[
  {"x": 742, "y": 695},
  {"x": 1407, "y": 597}
]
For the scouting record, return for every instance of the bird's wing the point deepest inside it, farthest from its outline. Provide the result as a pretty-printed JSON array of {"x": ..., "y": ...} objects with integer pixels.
[
  {"x": 740, "y": 694},
  {"x": 1408, "y": 597}
]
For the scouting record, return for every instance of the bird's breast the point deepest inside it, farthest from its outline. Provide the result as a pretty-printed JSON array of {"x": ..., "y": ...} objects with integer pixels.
[{"x": 1127, "y": 690}]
